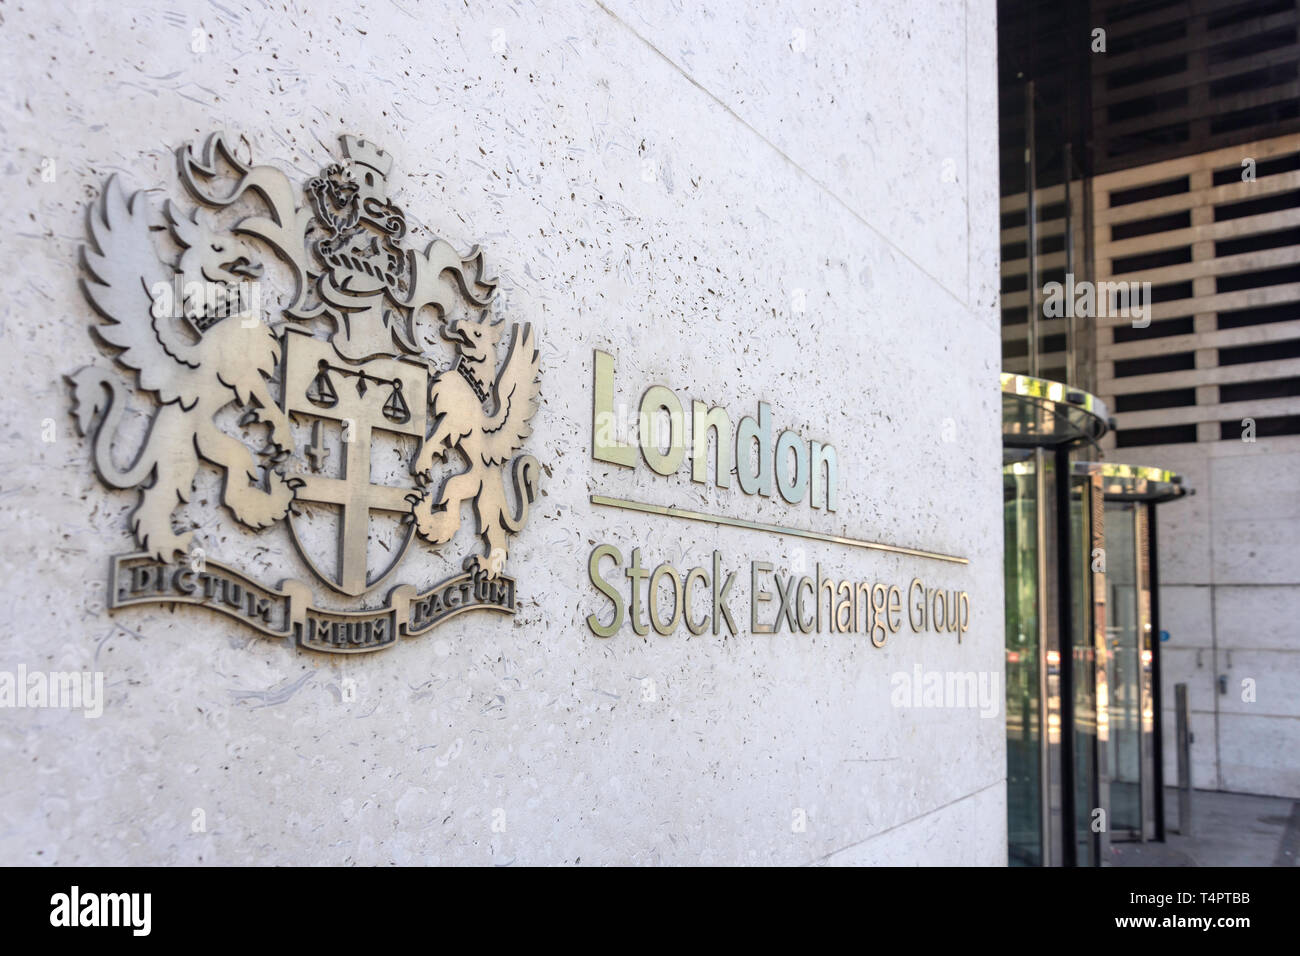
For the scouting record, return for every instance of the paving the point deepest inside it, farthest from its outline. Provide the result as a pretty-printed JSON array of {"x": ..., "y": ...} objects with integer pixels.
[{"x": 1227, "y": 829}]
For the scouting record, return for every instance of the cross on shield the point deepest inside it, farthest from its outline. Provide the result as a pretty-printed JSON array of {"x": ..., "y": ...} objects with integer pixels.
[{"x": 383, "y": 394}]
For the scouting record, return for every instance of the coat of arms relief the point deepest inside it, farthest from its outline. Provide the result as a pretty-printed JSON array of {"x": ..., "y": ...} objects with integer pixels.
[{"x": 374, "y": 340}]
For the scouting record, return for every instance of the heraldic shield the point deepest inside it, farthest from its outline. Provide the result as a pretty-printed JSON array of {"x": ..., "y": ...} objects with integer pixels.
[
  {"x": 353, "y": 402},
  {"x": 372, "y": 347}
]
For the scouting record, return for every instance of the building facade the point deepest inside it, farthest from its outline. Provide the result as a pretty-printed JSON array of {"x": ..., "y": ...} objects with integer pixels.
[
  {"x": 1168, "y": 161},
  {"x": 783, "y": 222}
]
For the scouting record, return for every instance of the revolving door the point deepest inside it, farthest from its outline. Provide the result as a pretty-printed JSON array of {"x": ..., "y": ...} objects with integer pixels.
[
  {"x": 1054, "y": 522},
  {"x": 1084, "y": 762},
  {"x": 1132, "y": 644}
]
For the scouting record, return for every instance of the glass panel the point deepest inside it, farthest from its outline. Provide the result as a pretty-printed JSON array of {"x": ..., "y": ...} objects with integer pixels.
[
  {"x": 1083, "y": 523},
  {"x": 1024, "y": 701},
  {"x": 1056, "y": 826},
  {"x": 1124, "y": 639},
  {"x": 1146, "y": 636}
]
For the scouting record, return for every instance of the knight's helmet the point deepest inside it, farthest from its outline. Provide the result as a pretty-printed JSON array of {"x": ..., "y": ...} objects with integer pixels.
[{"x": 359, "y": 247}]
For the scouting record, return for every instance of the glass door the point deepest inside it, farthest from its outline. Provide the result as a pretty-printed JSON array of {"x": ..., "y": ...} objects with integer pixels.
[
  {"x": 1129, "y": 638},
  {"x": 1024, "y": 679},
  {"x": 1054, "y": 576},
  {"x": 1089, "y": 696}
]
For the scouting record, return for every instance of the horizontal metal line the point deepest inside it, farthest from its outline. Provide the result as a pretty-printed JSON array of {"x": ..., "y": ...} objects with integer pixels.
[{"x": 671, "y": 512}]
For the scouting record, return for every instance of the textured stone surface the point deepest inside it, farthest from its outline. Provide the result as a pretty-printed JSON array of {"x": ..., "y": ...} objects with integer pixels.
[
  {"x": 1230, "y": 591},
  {"x": 657, "y": 185}
]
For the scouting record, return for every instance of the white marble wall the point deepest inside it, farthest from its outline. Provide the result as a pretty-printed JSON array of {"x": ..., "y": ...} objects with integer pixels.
[
  {"x": 653, "y": 180},
  {"x": 1230, "y": 600}
]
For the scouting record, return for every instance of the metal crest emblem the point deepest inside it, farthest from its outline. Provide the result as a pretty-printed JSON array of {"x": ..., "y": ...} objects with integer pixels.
[{"x": 338, "y": 350}]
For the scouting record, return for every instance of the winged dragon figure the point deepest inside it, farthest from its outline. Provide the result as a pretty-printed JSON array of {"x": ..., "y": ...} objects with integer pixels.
[
  {"x": 192, "y": 373},
  {"x": 486, "y": 440}
]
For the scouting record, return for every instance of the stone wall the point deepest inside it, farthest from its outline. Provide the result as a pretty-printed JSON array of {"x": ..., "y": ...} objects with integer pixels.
[
  {"x": 1229, "y": 598},
  {"x": 758, "y": 202}
]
